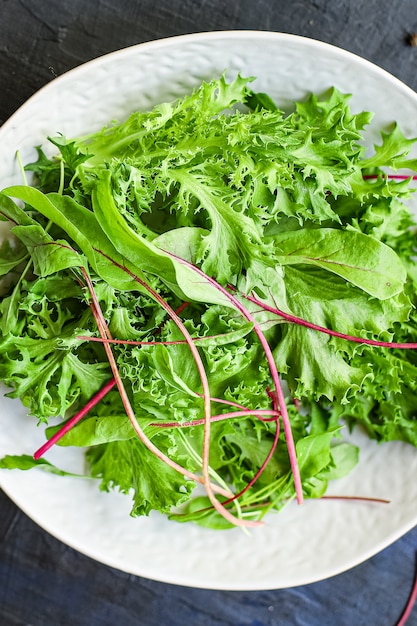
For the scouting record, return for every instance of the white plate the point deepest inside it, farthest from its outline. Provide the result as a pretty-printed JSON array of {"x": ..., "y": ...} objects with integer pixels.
[{"x": 302, "y": 544}]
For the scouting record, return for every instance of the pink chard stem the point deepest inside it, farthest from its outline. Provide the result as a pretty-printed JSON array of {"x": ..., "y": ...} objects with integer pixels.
[
  {"x": 219, "y": 418},
  {"x": 264, "y": 464},
  {"x": 273, "y": 369},
  {"x": 391, "y": 176},
  {"x": 74, "y": 420},
  {"x": 133, "y": 342},
  {"x": 410, "y": 603},
  {"x": 302, "y": 322},
  {"x": 125, "y": 399},
  {"x": 205, "y": 479}
]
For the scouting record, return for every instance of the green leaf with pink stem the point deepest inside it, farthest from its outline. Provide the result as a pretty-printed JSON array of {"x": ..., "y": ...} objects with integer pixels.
[
  {"x": 206, "y": 480},
  {"x": 83, "y": 228},
  {"x": 48, "y": 255},
  {"x": 333, "y": 333},
  {"x": 365, "y": 262},
  {"x": 274, "y": 373}
]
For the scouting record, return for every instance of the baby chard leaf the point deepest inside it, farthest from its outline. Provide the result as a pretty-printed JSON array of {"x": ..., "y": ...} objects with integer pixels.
[
  {"x": 361, "y": 260},
  {"x": 48, "y": 256},
  {"x": 82, "y": 226}
]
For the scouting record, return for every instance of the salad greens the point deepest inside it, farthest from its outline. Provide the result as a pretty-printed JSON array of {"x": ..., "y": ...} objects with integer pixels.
[{"x": 194, "y": 259}]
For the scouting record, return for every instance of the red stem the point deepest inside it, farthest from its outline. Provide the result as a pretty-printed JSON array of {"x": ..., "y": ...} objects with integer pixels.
[
  {"x": 273, "y": 369},
  {"x": 74, "y": 420},
  {"x": 131, "y": 342},
  {"x": 263, "y": 466},
  {"x": 181, "y": 308},
  {"x": 359, "y": 498},
  {"x": 104, "y": 331},
  {"x": 178, "y": 310},
  {"x": 410, "y": 603},
  {"x": 243, "y": 408},
  {"x": 270, "y": 453},
  {"x": 301, "y": 322},
  {"x": 391, "y": 176},
  {"x": 217, "y": 418},
  {"x": 206, "y": 398}
]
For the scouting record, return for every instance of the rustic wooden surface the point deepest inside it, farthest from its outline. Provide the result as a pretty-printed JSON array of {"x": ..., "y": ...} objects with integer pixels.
[{"x": 42, "y": 581}]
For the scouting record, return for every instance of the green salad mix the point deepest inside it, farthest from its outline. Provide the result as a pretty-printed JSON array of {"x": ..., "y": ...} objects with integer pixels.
[{"x": 209, "y": 293}]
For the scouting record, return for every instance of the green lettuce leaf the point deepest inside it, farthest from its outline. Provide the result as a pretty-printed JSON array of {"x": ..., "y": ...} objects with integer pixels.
[
  {"x": 25, "y": 462},
  {"x": 129, "y": 465}
]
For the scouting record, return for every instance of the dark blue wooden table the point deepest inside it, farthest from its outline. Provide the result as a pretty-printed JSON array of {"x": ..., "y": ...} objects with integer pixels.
[{"x": 42, "y": 581}]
